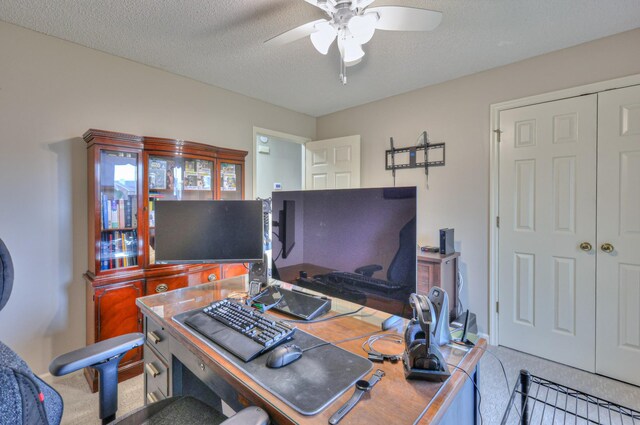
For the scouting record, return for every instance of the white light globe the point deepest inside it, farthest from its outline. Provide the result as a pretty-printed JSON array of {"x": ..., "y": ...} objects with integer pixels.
[{"x": 323, "y": 37}]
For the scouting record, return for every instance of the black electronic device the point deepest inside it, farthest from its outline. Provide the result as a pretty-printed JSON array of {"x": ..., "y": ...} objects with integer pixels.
[
  {"x": 260, "y": 271},
  {"x": 354, "y": 244},
  {"x": 422, "y": 359},
  {"x": 241, "y": 330},
  {"x": 429, "y": 249},
  {"x": 295, "y": 303},
  {"x": 446, "y": 242},
  {"x": 463, "y": 338},
  {"x": 208, "y": 232},
  {"x": 283, "y": 355}
]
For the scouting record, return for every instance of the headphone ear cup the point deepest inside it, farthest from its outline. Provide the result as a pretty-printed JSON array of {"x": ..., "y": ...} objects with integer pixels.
[
  {"x": 412, "y": 333},
  {"x": 417, "y": 343}
]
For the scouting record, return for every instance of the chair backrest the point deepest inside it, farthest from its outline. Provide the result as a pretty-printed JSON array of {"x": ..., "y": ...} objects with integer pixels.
[
  {"x": 22, "y": 394},
  {"x": 403, "y": 266},
  {"x": 6, "y": 274}
]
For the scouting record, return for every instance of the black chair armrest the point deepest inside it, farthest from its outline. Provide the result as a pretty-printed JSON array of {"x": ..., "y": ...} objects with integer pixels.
[
  {"x": 94, "y": 354},
  {"x": 368, "y": 270},
  {"x": 248, "y": 416}
]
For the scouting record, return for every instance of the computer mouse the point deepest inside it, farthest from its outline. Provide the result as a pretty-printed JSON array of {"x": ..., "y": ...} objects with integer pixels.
[{"x": 283, "y": 355}]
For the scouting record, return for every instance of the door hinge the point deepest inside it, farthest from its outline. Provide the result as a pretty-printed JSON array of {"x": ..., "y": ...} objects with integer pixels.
[
  {"x": 498, "y": 134},
  {"x": 498, "y": 222},
  {"x": 497, "y": 306}
]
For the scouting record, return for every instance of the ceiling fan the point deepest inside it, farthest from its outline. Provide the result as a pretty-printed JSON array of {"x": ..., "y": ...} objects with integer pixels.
[{"x": 353, "y": 24}]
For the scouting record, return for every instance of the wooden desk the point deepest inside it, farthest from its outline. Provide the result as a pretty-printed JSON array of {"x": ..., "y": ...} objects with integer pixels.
[{"x": 177, "y": 362}]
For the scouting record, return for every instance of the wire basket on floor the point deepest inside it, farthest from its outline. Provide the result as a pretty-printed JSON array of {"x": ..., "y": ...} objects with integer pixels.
[{"x": 536, "y": 400}]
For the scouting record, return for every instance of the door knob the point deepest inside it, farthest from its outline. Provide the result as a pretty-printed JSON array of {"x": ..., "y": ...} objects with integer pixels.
[
  {"x": 586, "y": 246},
  {"x": 607, "y": 247}
]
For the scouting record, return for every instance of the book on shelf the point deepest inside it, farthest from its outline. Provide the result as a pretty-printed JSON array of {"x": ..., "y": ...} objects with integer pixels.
[
  {"x": 118, "y": 249},
  {"x": 119, "y": 213},
  {"x": 127, "y": 212}
]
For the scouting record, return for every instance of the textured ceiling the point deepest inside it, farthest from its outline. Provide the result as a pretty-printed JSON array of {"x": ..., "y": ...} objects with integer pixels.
[{"x": 220, "y": 42}]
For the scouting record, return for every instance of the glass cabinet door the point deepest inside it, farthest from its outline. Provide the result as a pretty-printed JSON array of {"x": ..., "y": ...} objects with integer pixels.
[
  {"x": 118, "y": 209},
  {"x": 230, "y": 181},
  {"x": 176, "y": 179}
]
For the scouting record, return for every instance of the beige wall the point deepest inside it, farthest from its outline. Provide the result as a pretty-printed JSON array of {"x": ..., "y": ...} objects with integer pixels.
[
  {"x": 51, "y": 92},
  {"x": 457, "y": 113}
]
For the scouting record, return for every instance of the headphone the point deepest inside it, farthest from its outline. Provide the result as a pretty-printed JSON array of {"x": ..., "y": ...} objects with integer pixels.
[{"x": 419, "y": 352}]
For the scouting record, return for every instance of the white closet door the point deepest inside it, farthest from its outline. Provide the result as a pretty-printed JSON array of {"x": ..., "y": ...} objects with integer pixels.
[
  {"x": 618, "y": 288},
  {"x": 547, "y": 209}
]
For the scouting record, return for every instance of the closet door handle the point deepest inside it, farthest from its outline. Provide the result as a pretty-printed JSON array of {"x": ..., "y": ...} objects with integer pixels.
[
  {"x": 607, "y": 247},
  {"x": 586, "y": 246}
]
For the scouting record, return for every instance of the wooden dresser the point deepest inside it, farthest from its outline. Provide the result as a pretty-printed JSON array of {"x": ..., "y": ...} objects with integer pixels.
[{"x": 435, "y": 269}]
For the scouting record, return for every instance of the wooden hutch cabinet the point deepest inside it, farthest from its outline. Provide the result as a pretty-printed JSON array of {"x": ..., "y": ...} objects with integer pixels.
[{"x": 127, "y": 176}]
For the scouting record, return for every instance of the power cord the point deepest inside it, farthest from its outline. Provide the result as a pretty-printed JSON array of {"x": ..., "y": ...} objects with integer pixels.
[
  {"x": 476, "y": 387},
  {"x": 504, "y": 373},
  {"x": 459, "y": 285}
]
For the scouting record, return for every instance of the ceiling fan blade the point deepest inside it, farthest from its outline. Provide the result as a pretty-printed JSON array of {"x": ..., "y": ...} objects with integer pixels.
[
  {"x": 402, "y": 18},
  {"x": 294, "y": 34},
  {"x": 326, "y": 5}
]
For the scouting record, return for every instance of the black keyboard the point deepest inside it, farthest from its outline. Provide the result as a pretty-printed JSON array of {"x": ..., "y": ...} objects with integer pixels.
[
  {"x": 239, "y": 329},
  {"x": 360, "y": 280}
]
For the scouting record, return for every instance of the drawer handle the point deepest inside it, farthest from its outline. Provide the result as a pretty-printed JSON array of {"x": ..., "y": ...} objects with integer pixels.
[
  {"x": 212, "y": 277},
  {"x": 152, "y": 398},
  {"x": 151, "y": 369},
  {"x": 153, "y": 337},
  {"x": 162, "y": 287}
]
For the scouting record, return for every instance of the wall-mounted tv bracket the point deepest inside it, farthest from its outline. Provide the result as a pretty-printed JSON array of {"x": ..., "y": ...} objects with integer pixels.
[{"x": 400, "y": 158}]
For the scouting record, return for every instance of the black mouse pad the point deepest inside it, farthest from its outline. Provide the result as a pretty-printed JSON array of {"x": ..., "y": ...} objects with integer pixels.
[{"x": 310, "y": 383}]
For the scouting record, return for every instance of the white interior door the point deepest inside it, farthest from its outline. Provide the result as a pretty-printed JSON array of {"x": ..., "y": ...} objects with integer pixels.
[
  {"x": 547, "y": 209},
  {"x": 333, "y": 163},
  {"x": 618, "y": 287}
]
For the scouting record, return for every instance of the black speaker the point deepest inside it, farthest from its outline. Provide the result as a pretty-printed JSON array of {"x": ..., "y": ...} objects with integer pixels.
[{"x": 446, "y": 242}]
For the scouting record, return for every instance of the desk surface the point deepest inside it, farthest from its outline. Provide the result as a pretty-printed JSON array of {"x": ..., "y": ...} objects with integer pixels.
[{"x": 394, "y": 399}]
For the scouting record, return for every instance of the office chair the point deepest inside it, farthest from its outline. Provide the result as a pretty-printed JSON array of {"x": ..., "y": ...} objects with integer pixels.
[
  {"x": 26, "y": 399},
  {"x": 402, "y": 267}
]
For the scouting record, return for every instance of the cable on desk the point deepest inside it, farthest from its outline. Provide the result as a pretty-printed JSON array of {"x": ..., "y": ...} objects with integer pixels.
[
  {"x": 342, "y": 340},
  {"x": 474, "y": 384},
  {"x": 324, "y": 319},
  {"x": 375, "y": 355}
]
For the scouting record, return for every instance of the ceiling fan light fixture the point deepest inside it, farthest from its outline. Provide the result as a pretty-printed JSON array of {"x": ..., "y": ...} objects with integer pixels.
[
  {"x": 350, "y": 50},
  {"x": 323, "y": 37},
  {"x": 363, "y": 26}
]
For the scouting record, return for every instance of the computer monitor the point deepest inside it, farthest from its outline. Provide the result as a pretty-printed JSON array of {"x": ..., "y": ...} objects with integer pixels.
[
  {"x": 355, "y": 244},
  {"x": 221, "y": 231}
]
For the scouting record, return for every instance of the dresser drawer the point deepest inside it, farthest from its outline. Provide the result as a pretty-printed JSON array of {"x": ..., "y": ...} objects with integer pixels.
[
  {"x": 157, "y": 285},
  {"x": 158, "y": 338},
  {"x": 197, "y": 277},
  {"x": 155, "y": 373}
]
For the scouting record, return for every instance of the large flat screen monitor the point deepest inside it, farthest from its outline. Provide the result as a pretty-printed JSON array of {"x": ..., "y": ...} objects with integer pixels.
[
  {"x": 355, "y": 244},
  {"x": 208, "y": 231}
]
